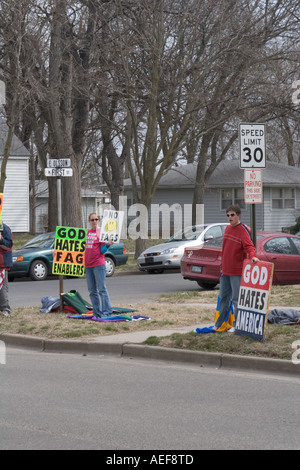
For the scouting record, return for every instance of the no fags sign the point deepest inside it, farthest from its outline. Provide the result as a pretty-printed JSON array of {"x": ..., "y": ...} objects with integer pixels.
[{"x": 254, "y": 297}]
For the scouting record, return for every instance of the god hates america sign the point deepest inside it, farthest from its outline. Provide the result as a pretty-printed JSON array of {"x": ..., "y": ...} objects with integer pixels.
[{"x": 254, "y": 297}]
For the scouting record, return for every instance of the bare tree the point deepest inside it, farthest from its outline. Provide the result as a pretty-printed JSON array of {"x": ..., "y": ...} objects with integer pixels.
[{"x": 12, "y": 24}]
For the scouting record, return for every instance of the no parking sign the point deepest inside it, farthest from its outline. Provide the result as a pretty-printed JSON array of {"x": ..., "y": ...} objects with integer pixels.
[{"x": 254, "y": 297}]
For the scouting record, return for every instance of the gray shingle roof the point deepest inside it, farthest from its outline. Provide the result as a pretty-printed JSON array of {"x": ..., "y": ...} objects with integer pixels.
[{"x": 229, "y": 173}]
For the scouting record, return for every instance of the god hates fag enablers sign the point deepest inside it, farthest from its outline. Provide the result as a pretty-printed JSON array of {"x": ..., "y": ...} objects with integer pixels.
[
  {"x": 254, "y": 297},
  {"x": 69, "y": 248}
]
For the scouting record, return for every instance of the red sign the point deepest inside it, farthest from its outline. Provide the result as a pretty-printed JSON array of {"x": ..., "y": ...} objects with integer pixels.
[
  {"x": 258, "y": 275},
  {"x": 253, "y": 186},
  {"x": 254, "y": 296}
]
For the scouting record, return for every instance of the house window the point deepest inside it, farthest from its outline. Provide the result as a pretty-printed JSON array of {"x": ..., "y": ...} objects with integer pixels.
[
  {"x": 232, "y": 196},
  {"x": 283, "y": 198}
]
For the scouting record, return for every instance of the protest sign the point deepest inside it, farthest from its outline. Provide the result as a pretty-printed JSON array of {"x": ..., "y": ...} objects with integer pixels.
[
  {"x": 111, "y": 226},
  {"x": 254, "y": 297},
  {"x": 69, "y": 248}
]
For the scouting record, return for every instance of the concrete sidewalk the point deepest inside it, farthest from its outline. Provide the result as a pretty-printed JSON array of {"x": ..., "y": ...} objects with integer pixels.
[
  {"x": 141, "y": 336},
  {"x": 128, "y": 345}
]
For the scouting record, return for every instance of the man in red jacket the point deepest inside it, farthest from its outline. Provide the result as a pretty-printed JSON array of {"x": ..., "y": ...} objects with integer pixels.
[{"x": 237, "y": 246}]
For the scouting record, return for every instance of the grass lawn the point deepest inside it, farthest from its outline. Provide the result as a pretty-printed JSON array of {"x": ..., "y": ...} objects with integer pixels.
[{"x": 168, "y": 312}]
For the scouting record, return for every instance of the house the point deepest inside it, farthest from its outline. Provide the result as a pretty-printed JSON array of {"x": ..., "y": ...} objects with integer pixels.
[
  {"x": 16, "y": 189},
  {"x": 91, "y": 201},
  {"x": 281, "y": 194}
]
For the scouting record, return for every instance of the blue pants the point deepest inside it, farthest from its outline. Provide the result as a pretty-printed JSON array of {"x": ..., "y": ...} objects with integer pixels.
[
  {"x": 229, "y": 290},
  {"x": 4, "y": 302},
  {"x": 96, "y": 281}
]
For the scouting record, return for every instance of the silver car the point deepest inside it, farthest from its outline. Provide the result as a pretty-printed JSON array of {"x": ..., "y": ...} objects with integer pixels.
[{"x": 168, "y": 255}]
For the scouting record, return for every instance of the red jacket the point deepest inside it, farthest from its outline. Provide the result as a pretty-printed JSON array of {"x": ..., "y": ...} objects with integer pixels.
[{"x": 237, "y": 246}]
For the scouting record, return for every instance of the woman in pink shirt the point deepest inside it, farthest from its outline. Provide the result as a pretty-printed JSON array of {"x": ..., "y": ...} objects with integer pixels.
[{"x": 95, "y": 269}]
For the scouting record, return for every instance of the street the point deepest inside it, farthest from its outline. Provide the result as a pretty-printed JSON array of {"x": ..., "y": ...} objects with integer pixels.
[
  {"x": 60, "y": 401},
  {"x": 123, "y": 288}
]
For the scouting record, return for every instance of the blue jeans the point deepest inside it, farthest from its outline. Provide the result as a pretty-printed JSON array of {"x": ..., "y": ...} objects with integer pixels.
[
  {"x": 4, "y": 302},
  {"x": 229, "y": 290},
  {"x": 96, "y": 281}
]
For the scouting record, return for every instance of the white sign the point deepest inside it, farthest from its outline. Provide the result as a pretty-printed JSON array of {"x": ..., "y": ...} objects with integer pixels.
[
  {"x": 59, "y": 162},
  {"x": 253, "y": 188},
  {"x": 58, "y": 171},
  {"x": 111, "y": 226},
  {"x": 252, "y": 146},
  {"x": 254, "y": 298}
]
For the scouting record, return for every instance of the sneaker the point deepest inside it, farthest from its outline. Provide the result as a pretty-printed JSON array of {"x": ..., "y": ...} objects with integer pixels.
[
  {"x": 6, "y": 313},
  {"x": 232, "y": 330}
]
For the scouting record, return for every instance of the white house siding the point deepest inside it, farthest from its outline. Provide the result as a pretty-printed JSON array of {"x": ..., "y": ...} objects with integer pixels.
[
  {"x": 175, "y": 206},
  {"x": 277, "y": 219},
  {"x": 16, "y": 195},
  {"x": 89, "y": 205},
  {"x": 213, "y": 212}
]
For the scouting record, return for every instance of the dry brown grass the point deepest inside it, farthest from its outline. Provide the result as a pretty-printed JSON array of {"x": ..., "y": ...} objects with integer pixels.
[
  {"x": 30, "y": 321},
  {"x": 167, "y": 312}
]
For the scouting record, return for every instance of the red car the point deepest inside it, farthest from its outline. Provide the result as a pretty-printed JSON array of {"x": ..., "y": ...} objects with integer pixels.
[{"x": 202, "y": 264}]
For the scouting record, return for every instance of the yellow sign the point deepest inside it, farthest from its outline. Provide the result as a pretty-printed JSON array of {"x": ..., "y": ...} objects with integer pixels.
[{"x": 69, "y": 248}]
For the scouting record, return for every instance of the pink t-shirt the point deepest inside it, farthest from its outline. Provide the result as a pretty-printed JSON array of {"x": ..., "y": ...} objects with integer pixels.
[{"x": 93, "y": 255}]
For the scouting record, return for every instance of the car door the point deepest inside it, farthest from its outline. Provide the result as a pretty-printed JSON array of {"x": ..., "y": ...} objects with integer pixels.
[{"x": 283, "y": 254}]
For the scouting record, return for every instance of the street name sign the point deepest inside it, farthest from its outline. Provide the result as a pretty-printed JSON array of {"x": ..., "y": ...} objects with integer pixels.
[
  {"x": 59, "y": 162},
  {"x": 252, "y": 146},
  {"x": 58, "y": 171}
]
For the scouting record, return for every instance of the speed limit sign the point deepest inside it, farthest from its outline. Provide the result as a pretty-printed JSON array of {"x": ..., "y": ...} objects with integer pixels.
[{"x": 252, "y": 146}]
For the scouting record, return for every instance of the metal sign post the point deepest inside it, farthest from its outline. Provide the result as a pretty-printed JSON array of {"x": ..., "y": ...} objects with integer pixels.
[
  {"x": 252, "y": 156},
  {"x": 59, "y": 221},
  {"x": 57, "y": 168}
]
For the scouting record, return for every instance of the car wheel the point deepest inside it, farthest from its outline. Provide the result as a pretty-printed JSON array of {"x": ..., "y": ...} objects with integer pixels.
[
  {"x": 38, "y": 270},
  {"x": 110, "y": 266},
  {"x": 206, "y": 285}
]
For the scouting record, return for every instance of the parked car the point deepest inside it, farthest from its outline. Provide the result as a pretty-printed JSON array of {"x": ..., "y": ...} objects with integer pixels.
[
  {"x": 34, "y": 259},
  {"x": 283, "y": 250},
  {"x": 168, "y": 255}
]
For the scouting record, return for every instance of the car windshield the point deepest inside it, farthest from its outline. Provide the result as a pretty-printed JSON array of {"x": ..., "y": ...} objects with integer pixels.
[
  {"x": 187, "y": 234},
  {"x": 41, "y": 241}
]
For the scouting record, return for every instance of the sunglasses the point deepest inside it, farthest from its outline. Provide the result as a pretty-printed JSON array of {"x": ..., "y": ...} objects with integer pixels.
[
  {"x": 94, "y": 220},
  {"x": 230, "y": 215}
]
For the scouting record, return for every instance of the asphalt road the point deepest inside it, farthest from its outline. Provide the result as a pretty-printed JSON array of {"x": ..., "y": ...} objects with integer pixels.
[
  {"x": 61, "y": 401},
  {"x": 122, "y": 288}
]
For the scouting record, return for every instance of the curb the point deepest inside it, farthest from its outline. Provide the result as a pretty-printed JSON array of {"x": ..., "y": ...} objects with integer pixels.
[{"x": 200, "y": 358}]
